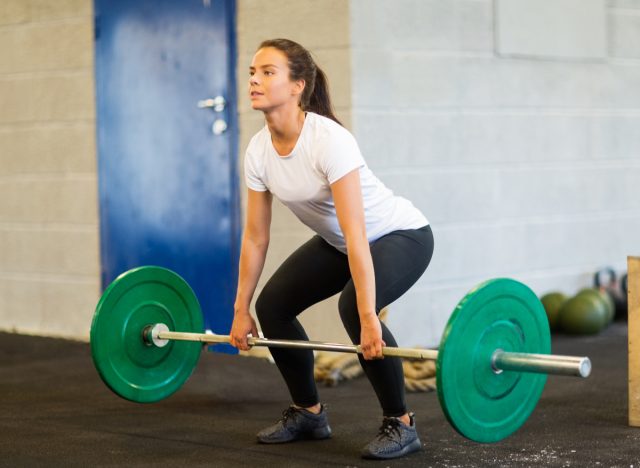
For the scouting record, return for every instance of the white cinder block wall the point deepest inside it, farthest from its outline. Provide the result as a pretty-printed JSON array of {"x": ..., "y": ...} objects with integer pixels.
[
  {"x": 49, "y": 232},
  {"x": 526, "y": 164}
]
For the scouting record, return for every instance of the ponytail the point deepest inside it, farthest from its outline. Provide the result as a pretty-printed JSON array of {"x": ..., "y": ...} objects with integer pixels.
[{"x": 320, "y": 101}]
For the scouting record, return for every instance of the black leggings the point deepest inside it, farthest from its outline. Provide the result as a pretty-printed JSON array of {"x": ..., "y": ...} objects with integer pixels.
[{"x": 317, "y": 271}]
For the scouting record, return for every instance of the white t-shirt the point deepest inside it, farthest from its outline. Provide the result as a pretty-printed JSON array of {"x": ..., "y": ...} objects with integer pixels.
[{"x": 325, "y": 152}]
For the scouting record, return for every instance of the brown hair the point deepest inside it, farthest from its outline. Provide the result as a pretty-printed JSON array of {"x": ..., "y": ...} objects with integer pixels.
[{"x": 315, "y": 97}]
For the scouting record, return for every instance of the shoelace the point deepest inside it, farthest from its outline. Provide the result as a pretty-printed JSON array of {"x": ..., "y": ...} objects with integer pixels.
[
  {"x": 388, "y": 428},
  {"x": 288, "y": 413}
]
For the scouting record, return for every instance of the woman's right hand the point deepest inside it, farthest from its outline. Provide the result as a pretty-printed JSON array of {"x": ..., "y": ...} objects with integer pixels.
[{"x": 242, "y": 325}]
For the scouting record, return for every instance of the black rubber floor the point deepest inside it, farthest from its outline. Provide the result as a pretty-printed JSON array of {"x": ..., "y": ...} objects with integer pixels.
[{"x": 55, "y": 411}]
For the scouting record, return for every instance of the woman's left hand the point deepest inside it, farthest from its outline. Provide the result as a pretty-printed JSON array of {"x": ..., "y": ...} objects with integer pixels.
[{"x": 371, "y": 338}]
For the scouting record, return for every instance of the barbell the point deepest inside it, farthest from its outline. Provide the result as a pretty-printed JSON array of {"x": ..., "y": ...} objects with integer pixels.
[{"x": 491, "y": 365}]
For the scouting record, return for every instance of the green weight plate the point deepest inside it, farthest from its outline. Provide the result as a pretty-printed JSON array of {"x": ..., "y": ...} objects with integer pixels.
[
  {"x": 131, "y": 368},
  {"x": 480, "y": 404}
]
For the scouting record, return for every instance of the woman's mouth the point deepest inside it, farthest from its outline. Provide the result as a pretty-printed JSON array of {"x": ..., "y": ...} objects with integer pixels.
[{"x": 255, "y": 94}]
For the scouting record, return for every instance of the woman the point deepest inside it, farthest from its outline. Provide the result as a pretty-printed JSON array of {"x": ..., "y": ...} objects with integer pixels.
[{"x": 371, "y": 246}]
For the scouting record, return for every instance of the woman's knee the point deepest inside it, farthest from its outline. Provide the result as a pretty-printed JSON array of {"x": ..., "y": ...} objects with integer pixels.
[
  {"x": 268, "y": 307},
  {"x": 348, "y": 308}
]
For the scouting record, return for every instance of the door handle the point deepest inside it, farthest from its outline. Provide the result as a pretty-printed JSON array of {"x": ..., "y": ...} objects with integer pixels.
[{"x": 217, "y": 103}]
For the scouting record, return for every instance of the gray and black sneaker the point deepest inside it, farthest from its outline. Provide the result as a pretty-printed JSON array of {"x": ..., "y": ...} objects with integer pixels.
[
  {"x": 395, "y": 439},
  {"x": 295, "y": 424}
]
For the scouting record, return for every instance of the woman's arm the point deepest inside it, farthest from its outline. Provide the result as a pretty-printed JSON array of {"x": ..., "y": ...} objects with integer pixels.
[
  {"x": 253, "y": 252},
  {"x": 347, "y": 197}
]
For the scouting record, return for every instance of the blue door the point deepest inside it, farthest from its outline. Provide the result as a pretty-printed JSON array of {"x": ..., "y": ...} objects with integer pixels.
[{"x": 167, "y": 144}]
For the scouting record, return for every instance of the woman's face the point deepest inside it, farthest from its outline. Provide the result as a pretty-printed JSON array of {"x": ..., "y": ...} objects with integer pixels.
[{"x": 269, "y": 83}]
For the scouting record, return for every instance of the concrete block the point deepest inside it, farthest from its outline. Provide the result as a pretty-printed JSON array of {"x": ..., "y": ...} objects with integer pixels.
[
  {"x": 69, "y": 307},
  {"x": 344, "y": 115},
  {"x": 414, "y": 138},
  {"x": 47, "y": 46},
  {"x": 457, "y": 25},
  {"x": 568, "y": 280},
  {"x": 625, "y": 34},
  {"x": 58, "y": 251},
  {"x": 336, "y": 63},
  {"x": 323, "y": 24},
  {"x": 521, "y": 137},
  {"x": 282, "y": 244},
  {"x": 586, "y": 241},
  {"x": 418, "y": 81},
  {"x": 48, "y": 306},
  {"x": 450, "y": 264},
  {"x": 49, "y": 200},
  {"x": 566, "y": 191},
  {"x": 22, "y": 11},
  {"x": 68, "y": 96},
  {"x": 47, "y": 149},
  {"x": 570, "y": 29},
  {"x": 448, "y": 196},
  {"x": 250, "y": 124},
  {"x": 469, "y": 252},
  {"x": 372, "y": 78},
  {"x": 497, "y": 249},
  {"x": 418, "y": 318},
  {"x": 630, "y": 4},
  {"x": 422, "y": 140},
  {"x": 390, "y": 139},
  {"x": 21, "y": 306},
  {"x": 242, "y": 83},
  {"x": 615, "y": 137},
  {"x": 322, "y": 322},
  {"x": 470, "y": 196}
]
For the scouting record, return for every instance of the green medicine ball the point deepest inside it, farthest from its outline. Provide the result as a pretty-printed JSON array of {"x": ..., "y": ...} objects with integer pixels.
[
  {"x": 552, "y": 303},
  {"x": 583, "y": 314},
  {"x": 604, "y": 299}
]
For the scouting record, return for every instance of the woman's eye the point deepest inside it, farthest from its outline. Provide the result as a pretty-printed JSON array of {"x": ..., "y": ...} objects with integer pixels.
[{"x": 266, "y": 73}]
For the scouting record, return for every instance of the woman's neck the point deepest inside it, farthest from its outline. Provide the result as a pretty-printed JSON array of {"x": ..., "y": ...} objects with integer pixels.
[{"x": 285, "y": 125}]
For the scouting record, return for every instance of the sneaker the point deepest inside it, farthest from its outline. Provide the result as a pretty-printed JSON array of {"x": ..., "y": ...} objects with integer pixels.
[
  {"x": 395, "y": 439},
  {"x": 295, "y": 424}
]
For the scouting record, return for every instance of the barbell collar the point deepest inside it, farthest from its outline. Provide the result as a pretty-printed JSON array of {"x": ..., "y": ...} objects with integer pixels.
[{"x": 150, "y": 335}]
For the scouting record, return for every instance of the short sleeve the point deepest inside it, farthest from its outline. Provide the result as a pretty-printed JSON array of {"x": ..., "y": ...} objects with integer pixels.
[
  {"x": 252, "y": 177},
  {"x": 340, "y": 155}
]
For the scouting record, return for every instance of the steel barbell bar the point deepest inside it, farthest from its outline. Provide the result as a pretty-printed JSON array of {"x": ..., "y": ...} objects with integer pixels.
[{"x": 577, "y": 366}]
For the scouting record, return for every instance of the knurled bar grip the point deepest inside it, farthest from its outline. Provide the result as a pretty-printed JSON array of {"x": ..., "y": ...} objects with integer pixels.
[{"x": 500, "y": 361}]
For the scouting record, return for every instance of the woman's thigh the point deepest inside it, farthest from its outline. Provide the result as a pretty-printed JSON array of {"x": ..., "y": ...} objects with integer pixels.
[
  {"x": 399, "y": 259},
  {"x": 314, "y": 272}
]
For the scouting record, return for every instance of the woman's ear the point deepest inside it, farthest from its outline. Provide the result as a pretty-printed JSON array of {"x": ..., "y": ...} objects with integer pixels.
[{"x": 298, "y": 87}]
